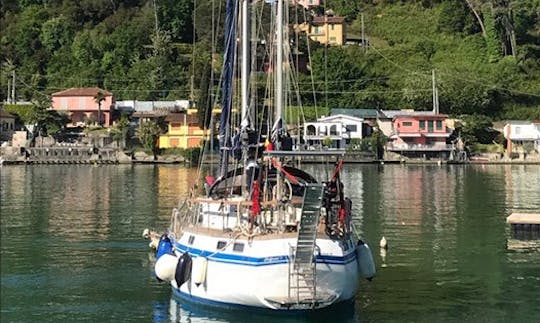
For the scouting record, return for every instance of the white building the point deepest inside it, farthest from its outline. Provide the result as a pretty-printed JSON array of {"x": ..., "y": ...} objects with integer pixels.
[
  {"x": 340, "y": 129},
  {"x": 520, "y": 133}
]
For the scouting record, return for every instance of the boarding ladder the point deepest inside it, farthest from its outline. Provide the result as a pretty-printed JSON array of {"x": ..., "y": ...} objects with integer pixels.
[{"x": 302, "y": 280}]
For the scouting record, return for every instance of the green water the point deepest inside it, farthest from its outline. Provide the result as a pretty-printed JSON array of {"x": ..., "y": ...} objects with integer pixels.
[{"x": 71, "y": 245}]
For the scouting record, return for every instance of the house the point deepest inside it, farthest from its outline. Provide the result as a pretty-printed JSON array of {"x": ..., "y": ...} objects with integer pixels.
[
  {"x": 183, "y": 130},
  {"x": 370, "y": 117},
  {"x": 308, "y": 3},
  {"x": 419, "y": 135},
  {"x": 80, "y": 106},
  {"x": 143, "y": 111},
  {"x": 339, "y": 129},
  {"x": 325, "y": 29},
  {"x": 522, "y": 136},
  {"x": 7, "y": 125}
]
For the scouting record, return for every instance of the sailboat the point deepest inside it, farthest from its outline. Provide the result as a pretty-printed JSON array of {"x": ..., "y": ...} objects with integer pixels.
[{"x": 263, "y": 234}]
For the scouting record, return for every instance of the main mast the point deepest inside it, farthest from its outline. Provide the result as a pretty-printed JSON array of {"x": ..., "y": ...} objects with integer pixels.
[{"x": 279, "y": 71}]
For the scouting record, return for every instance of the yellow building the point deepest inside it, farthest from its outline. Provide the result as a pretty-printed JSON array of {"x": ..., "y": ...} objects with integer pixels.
[
  {"x": 325, "y": 30},
  {"x": 183, "y": 131}
]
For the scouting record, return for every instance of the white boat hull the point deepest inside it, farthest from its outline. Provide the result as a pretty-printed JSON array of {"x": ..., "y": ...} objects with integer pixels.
[{"x": 259, "y": 276}]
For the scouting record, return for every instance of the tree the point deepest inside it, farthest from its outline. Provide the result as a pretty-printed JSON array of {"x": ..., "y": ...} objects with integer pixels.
[
  {"x": 119, "y": 131},
  {"x": 476, "y": 129},
  {"x": 98, "y": 98},
  {"x": 148, "y": 133}
]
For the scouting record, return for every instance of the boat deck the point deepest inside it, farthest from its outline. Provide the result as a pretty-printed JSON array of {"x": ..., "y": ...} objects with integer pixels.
[{"x": 266, "y": 236}]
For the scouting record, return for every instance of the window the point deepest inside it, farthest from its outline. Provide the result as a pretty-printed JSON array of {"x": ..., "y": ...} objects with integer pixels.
[
  {"x": 310, "y": 131},
  {"x": 332, "y": 26},
  {"x": 221, "y": 245},
  {"x": 316, "y": 30},
  {"x": 191, "y": 239},
  {"x": 518, "y": 130},
  {"x": 422, "y": 124},
  {"x": 406, "y": 124},
  {"x": 238, "y": 247},
  {"x": 438, "y": 124},
  {"x": 351, "y": 128}
]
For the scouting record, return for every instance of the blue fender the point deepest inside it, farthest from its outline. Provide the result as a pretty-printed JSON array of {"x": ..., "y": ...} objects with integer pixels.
[{"x": 165, "y": 246}]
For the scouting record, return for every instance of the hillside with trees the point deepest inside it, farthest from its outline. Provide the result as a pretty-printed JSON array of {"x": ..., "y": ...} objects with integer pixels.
[{"x": 485, "y": 54}]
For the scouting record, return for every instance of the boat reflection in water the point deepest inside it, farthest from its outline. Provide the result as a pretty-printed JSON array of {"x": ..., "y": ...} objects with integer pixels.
[{"x": 174, "y": 310}]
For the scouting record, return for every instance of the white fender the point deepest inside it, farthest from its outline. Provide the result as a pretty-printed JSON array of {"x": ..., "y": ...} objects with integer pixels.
[
  {"x": 165, "y": 267},
  {"x": 198, "y": 272},
  {"x": 364, "y": 260}
]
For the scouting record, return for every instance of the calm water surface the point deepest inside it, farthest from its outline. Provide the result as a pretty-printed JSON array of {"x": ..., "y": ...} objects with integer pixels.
[{"x": 71, "y": 245}]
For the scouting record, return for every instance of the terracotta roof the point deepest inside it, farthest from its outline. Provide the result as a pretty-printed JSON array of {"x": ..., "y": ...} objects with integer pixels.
[
  {"x": 179, "y": 118},
  {"x": 321, "y": 20},
  {"x": 82, "y": 91}
]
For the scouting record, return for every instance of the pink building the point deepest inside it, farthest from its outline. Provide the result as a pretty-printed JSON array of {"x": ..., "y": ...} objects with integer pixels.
[
  {"x": 420, "y": 135},
  {"x": 80, "y": 105}
]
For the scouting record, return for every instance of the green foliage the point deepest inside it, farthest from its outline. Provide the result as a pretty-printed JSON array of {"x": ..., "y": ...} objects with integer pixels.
[
  {"x": 456, "y": 17},
  {"x": 53, "y": 45},
  {"x": 120, "y": 130},
  {"x": 297, "y": 114},
  {"x": 191, "y": 155},
  {"x": 148, "y": 133},
  {"x": 476, "y": 129},
  {"x": 492, "y": 38}
]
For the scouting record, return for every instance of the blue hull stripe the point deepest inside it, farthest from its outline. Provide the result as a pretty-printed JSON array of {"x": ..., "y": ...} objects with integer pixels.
[{"x": 261, "y": 261}]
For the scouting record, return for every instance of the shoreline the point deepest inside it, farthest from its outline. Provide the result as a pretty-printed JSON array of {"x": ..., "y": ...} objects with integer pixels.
[{"x": 172, "y": 161}]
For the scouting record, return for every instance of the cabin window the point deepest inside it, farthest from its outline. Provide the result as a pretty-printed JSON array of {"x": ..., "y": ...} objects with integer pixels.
[
  {"x": 406, "y": 124},
  {"x": 221, "y": 244},
  {"x": 438, "y": 124},
  {"x": 422, "y": 124},
  {"x": 191, "y": 239},
  {"x": 238, "y": 247}
]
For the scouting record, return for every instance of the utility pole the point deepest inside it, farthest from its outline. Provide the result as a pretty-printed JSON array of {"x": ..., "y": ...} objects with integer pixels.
[
  {"x": 363, "y": 33},
  {"x": 435, "y": 93},
  {"x": 8, "y": 91},
  {"x": 13, "y": 88}
]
